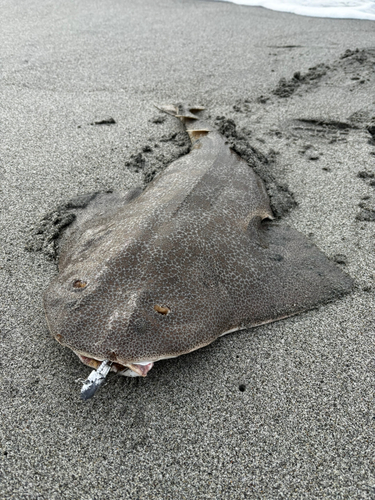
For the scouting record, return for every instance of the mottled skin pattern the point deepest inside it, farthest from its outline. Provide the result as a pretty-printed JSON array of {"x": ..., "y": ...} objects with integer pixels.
[{"x": 197, "y": 242}]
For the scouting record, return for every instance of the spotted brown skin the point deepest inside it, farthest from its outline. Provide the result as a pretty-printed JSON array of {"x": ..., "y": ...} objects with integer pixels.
[{"x": 159, "y": 274}]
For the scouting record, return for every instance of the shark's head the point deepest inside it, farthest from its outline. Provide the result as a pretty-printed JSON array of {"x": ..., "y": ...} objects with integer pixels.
[{"x": 137, "y": 307}]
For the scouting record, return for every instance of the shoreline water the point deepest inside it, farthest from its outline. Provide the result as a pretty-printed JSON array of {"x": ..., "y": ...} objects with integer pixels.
[
  {"x": 284, "y": 410},
  {"x": 335, "y": 9}
]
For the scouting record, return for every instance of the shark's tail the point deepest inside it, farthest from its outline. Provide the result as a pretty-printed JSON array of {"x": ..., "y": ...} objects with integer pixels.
[
  {"x": 195, "y": 127},
  {"x": 181, "y": 111}
]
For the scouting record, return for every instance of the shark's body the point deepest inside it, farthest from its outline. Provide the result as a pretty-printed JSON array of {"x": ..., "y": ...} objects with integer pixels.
[{"x": 145, "y": 276}]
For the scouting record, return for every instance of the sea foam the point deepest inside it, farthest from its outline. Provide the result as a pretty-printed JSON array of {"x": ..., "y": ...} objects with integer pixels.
[{"x": 350, "y": 9}]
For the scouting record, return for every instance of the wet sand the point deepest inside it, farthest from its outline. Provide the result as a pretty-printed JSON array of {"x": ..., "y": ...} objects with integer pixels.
[{"x": 281, "y": 411}]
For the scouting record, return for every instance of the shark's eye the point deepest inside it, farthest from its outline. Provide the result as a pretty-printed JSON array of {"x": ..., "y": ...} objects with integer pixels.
[
  {"x": 161, "y": 310},
  {"x": 79, "y": 284}
]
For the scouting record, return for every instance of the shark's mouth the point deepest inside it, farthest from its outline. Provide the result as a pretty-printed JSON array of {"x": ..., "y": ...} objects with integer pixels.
[{"x": 129, "y": 370}]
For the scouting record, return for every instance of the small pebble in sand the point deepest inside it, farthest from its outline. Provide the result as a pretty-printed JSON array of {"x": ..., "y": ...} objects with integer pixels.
[
  {"x": 340, "y": 259},
  {"x": 313, "y": 155},
  {"x": 105, "y": 121}
]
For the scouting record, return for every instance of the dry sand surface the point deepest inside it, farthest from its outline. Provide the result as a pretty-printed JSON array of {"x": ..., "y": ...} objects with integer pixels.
[{"x": 281, "y": 411}]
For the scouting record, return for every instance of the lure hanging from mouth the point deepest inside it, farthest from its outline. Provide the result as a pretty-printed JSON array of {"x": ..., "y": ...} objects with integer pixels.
[{"x": 95, "y": 380}]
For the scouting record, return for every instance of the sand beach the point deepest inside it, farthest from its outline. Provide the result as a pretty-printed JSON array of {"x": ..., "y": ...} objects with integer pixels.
[{"x": 285, "y": 410}]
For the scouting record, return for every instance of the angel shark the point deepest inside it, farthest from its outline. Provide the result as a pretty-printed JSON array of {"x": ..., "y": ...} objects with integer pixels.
[{"x": 154, "y": 274}]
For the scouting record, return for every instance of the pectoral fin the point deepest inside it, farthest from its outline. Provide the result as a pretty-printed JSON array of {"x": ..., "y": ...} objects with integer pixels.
[{"x": 293, "y": 276}]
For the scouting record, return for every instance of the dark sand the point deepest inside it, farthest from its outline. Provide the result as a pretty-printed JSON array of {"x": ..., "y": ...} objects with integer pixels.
[{"x": 303, "y": 424}]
